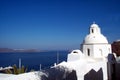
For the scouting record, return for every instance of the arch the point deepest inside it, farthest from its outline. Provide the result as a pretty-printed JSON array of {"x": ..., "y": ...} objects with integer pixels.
[
  {"x": 101, "y": 53},
  {"x": 88, "y": 52},
  {"x": 92, "y": 30},
  {"x": 109, "y": 50}
]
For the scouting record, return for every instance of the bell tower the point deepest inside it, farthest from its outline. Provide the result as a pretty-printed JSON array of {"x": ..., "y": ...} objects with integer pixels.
[{"x": 94, "y": 29}]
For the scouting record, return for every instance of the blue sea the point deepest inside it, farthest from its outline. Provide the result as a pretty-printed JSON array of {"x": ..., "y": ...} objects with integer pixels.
[{"x": 32, "y": 60}]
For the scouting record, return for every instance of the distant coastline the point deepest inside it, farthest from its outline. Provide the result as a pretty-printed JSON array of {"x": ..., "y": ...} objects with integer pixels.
[
  {"x": 8, "y": 50},
  {"x": 18, "y": 50}
]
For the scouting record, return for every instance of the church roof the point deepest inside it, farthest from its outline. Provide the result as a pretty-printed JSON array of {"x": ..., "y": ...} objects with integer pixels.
[
  {"x": 94, "y": 25},
  {"x": 95, "y": 36}
]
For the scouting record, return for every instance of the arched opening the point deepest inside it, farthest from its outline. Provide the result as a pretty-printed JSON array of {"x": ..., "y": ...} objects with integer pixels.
[
  {"x": 101, "y": 52},
  {"x": 88, "y": 52},
  {"x": 92, "y": 31},
  {"x": 109, "y": 50}
]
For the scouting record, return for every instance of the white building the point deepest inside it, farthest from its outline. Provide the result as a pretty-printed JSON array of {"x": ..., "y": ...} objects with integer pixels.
[
  {"x": 95, "y": 44},
  {"x": 92, "y": 56}
]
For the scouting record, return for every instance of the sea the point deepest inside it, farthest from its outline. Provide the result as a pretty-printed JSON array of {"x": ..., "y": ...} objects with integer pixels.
[{"x": 33, "y": 60}]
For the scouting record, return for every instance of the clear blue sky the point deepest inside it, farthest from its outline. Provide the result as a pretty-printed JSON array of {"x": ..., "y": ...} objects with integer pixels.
[{"x": 55, "y": 24}]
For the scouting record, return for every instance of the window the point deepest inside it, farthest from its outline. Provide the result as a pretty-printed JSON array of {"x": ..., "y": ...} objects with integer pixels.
[
  {"x": 75, "y": 52},
  {"x": 88, "y": 52},
  {"x": 92, "y": 31},
  {"x": 101, "y": 52},
  {"x": 109, "y": 50}
]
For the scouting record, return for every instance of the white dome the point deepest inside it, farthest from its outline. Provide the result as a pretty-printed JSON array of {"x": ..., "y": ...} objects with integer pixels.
[
  {"x": 93, "y": 39},
  {"x": 95, "y": 36},
  {"x": 94, "y": 25}
]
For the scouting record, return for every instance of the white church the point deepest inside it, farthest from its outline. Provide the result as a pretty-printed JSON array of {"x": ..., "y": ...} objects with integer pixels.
[{"x": 92, "y": 56}]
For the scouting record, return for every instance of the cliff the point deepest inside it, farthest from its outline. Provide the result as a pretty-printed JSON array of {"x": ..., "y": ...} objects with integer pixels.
[{"x": 116, "y": 47}]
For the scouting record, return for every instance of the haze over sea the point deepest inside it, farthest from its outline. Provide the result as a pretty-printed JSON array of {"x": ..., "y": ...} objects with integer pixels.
[{"x": 32, "y": 60}]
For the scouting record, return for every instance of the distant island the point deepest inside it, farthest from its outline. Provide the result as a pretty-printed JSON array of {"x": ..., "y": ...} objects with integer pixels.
[{"x": 18, "y": 50}]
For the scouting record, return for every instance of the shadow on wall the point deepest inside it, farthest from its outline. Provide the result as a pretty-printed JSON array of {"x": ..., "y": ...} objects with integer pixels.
[
  {"x": 117, "y": 71},
  {"x": 59, "y": 74},
  {"x": 93, "y": 75},
  {"x": 113, "y": 68}
]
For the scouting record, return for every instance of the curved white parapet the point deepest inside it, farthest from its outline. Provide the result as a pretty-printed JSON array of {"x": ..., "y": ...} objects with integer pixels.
[{"x": 75, "y": 55}]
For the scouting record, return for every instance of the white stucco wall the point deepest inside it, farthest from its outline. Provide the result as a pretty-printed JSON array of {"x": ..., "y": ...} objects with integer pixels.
[
  {"x": 75, "y": 55},
  {"x": 85, "y": 48},
  {"x": 83, "y": 66},
  {"x": 94, "y": 58},
  {"x": 97, "y": 50},
  {"x": 102, "y": 50}
]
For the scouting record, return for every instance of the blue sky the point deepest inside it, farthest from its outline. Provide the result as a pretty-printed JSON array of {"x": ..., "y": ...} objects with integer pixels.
[{"x": 55, "y": 24}]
